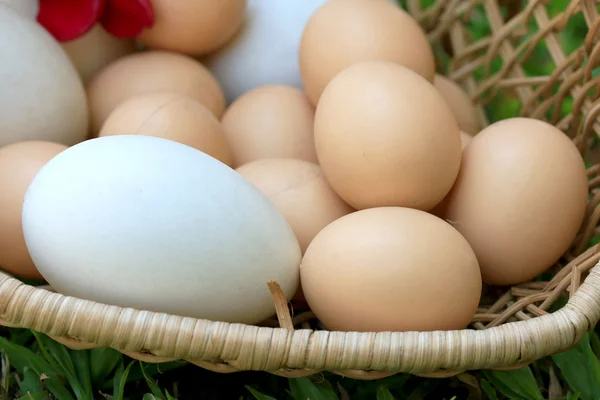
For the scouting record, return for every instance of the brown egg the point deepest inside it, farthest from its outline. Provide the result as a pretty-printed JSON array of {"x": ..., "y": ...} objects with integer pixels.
[
  {"x": 440, "y": 209},
  {"x": 148, "y": 72},
  {"x": 193, "y": 27},
  {"x": 273, "y": 121},
  {"x": 385, "y": 137},
  {"x": 95, "y": 50},
  {"x": 170, "y": 116},
  {"x": 300, "y": 192},
  {"x": 461, "y": 105},
  {"x": 343, "y": 32},
  {"x": 19, "y": 163},
  {"x": 519, "y": 199},
  {"x": 465, "y": 139},
  {"x": 391, "y": 269}
]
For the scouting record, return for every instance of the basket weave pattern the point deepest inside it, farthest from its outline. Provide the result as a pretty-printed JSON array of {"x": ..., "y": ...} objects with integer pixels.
[{"x": 512, "y": 326}]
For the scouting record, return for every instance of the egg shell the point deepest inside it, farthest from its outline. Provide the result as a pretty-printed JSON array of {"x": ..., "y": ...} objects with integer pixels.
[
  {"x": 404, "y": 151},
  {"x": 264, "y": 51},
  {"x": 19, "y": 163},
  {"x": 193, "y": 27},
  {"x": 459, "y": 102},
  {"x": 519, "y": 199},
  {"x": 300, "y": 192},
  {"x": 95, "y": 50},
  {"x": 153, "y": 224},
  {"x": 27, "y": 8},
  {"x": 170, "y": 116},
  {"x": 42, "y": 97},
  {"x": 149, "y": 72},
  {"x": 344, "y": 32},
  {"x": 391, "y": 269},
  {"x": 273, "y": 121}
]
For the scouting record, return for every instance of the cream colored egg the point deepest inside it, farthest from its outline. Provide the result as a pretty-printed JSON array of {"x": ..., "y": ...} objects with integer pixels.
[
  {"x": 459, "y": 102},
  {"x": 42, "y": 96},
  {"x": 95, "y": 50},
  {"x": 273, "y": 121},
  {"x": 170, "y": 116},
  {"x": 149, "y": 72}
]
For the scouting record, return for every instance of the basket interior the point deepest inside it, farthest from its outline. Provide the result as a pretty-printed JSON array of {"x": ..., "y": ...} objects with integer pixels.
[{"x": 523, "y": 58}]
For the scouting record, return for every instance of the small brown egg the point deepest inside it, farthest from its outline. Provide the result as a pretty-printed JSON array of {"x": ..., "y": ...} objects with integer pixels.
[
  {"x": 391, "y": 269},
  {"x": 459, "y": 102},
  {"x": 148, "y": 72},
  {"x": 385, "y": 137},
  {"x": 272, "y": 121},
  {"x": 519, "y": 199},
  {"x": 95, "y": 50},
  {"x": 343, "y": 32},
  {"x": 194, "y": 27},
  {"x": 19, "y": 163},
  {"x": 465, "y": 139},
  {"x": 300, "y": 192},
  {"x": 440, "y": 209},
  {"x": 170, "y": 116}
]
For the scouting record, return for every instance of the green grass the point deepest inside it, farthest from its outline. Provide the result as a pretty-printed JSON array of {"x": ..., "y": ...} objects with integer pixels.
[{"x": 34, "y": 367}]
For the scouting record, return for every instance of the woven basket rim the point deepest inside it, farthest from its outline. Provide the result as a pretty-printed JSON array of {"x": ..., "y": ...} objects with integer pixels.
[{"x": 230, "y": 347}]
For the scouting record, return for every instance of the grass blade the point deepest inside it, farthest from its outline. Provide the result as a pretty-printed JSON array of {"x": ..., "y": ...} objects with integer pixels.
[
  {"x": 488, "y": 389},
  {"x": 304, "y": 388},
  {"x": 515, "y": 384},
  {"x": 31, "y": 382},
  {"x": 58, "y": 356},
  {"x": 120, "y": 380},
  {"x": 383, "y": 393},
  {"x": 36, "y": 396},
  {"x": 81, "y": 362},
  {"x": 258, "y": 395},
  {"x": 152, "y": 384},
  {"x": 103, "y": 361},
  {"x": 581, "y": 369}
]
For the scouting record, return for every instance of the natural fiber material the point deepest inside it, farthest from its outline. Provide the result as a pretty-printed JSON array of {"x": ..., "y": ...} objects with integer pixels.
[{"x": 512, "y": 326}]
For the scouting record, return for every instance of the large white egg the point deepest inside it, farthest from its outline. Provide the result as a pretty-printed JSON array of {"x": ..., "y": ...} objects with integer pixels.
[
  {"x": 265, "y": 50},
  {"x": 27, "y": 8},
  {"x": 41, "y": 94},
  {"x": 149, "y": 223}
]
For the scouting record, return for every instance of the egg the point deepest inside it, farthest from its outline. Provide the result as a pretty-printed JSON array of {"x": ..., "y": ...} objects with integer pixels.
[
  {"x": 95, "y": 50},
  {"x": 27, "y": 8},
  {"x": 273, "y": 121},
  {"x": 264, "y": 51},
  {"x": 344, "y": 32},
  {"x": 42, "y": 97},
  {"x": 193, "y": 27},
  {"x": 19, "y": 163},
  {"x": 519, "y": 199},
  {"x": 170, "y": 116},
  {"x": 148, "y": 72},
  {"x": 300, "y": 192},
  {"x": 459, "y": 102},
  {"x": 385, "y": 137},
  {"x": 149, "y": 223},
  {"x": 465, "y": 139},
  {"x": 391, "y": 269}
]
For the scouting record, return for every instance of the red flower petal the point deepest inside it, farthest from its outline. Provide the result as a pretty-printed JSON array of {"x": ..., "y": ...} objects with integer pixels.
[
  {"x": 127, "y": 18},
  {"x": 69, "y": 19}
]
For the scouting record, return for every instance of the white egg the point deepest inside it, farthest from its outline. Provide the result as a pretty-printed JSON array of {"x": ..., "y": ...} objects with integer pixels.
[
  {"x": 149, "y": 223},
  {"x": 42, "y": 96},
  {"x": 265, "y": 51},
  {"x": 27, "y": 8}
]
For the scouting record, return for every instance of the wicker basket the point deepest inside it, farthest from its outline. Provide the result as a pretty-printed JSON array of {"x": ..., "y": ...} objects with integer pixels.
[{"x": 512, "y": 326}]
